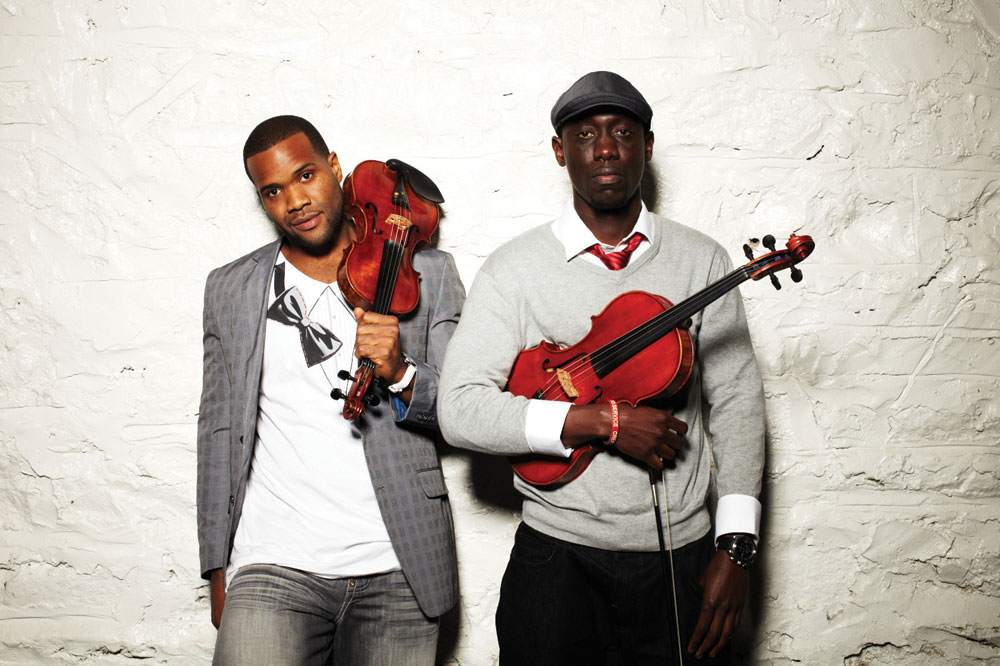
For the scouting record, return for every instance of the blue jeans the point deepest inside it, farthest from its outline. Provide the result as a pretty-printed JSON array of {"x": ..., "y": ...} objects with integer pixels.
[
  {"x": 566, "y": 604},
  {"x": 276, "y": 616}
]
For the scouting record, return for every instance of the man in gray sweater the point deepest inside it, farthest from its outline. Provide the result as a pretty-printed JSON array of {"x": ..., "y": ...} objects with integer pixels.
[{"x": 584, "y": 579}]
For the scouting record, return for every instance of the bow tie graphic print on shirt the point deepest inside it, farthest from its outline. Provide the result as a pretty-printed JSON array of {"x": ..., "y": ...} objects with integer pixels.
[{"x": 318, "y": 342}]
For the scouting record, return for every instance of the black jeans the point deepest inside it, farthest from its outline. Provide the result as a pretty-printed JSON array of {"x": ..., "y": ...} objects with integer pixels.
[{"x": 561, "y": 603}]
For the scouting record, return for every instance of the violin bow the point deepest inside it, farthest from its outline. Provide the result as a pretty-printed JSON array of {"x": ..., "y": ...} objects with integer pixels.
[{"x": 668, "y": 549}]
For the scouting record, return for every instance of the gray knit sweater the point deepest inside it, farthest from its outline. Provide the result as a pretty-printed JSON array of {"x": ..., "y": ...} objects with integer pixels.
[{"x": 527, "y": 292}]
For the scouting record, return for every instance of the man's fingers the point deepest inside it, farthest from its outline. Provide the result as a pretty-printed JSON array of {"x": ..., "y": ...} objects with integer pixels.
[
  {"x": 675, "y": 424},
  {"x": 728, "y": 627},
  {"x": 217, "y": 596},
  {"x": 374, "y": 319},
  {"x": 713, "y": 635},
  {"x": 704, "y": 620},
  {"x": 655, "y": 462}
]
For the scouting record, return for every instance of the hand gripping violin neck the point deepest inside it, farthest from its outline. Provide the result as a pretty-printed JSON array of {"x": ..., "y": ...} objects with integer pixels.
[{"x": 394, "y": 208}]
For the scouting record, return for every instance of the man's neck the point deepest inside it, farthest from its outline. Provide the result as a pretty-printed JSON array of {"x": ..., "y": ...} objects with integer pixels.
[
  {"x": 320, "y": 266},
  {"x": 609, "y": 226}
]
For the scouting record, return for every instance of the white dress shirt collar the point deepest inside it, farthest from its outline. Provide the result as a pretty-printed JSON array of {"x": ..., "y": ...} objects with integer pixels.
[{"x": 575, "y": 237}]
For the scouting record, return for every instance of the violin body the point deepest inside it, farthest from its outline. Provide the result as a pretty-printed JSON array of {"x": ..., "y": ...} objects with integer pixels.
[
  {"x": 394, "y": 209},
  {"x": 548, "y": 372},
  {"x": 374, "y": 203}
]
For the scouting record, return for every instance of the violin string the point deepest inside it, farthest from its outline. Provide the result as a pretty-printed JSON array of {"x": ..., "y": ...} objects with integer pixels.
[
  {"x": 645, "y": 334},
  {"x": 651, "y": 330},
  {"x": 638, "y": 338},
  {"x": 398, "y": 237},
  {"x": 394, "y": 257}
]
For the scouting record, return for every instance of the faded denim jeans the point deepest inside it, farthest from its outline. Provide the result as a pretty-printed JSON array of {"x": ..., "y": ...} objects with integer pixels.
[{"x": 276, "y": 616}]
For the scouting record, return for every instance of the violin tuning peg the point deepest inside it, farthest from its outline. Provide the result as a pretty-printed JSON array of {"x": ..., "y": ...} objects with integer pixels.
[
  {"x": 768, "y": 242},
  {"x": 336, "y": 394},
  {"x": 747, "y": 251},
  {"x": 344, "y": 374},
  {"x": 795, "y": 274},
  {"x": 774, "y": 281}
]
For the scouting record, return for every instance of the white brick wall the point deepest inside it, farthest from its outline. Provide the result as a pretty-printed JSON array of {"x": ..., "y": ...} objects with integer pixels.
[{"x": 872, "y": 126}]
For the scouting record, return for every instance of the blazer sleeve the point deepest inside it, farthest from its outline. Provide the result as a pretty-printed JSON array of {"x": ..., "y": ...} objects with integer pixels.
[
  {"x": 213, "y": 443},
  {"x": 445, "y": 302}
]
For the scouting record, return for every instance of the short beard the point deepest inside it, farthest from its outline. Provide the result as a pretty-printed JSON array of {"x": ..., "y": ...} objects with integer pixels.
[
  {"x": 614, "y": 205},
  {"x": 322, "y": 247}
]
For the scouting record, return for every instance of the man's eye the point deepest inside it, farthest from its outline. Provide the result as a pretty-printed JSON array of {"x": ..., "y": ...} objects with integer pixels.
[
  {"x": 585, "y": 134},
  {"x": 273, "y": 192},
  {"x": 307, "y": 175}
]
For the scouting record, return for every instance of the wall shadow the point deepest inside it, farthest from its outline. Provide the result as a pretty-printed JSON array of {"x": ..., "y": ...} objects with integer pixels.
[
  {"x": 649, "y": 186},
  {"x": 490, "y": 482}
]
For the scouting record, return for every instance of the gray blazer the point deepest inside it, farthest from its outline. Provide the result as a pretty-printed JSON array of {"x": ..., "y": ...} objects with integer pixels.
[{"x": 401, "y": 453}]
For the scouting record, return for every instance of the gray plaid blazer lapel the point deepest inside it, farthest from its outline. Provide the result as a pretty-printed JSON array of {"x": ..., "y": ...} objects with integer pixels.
[{"x": 248, "y": 323}]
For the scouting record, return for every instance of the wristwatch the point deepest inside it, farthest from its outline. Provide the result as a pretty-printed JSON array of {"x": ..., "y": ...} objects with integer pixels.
[
  {"x": 411, "y": 369},
  {"x": 741, "y": 548}
]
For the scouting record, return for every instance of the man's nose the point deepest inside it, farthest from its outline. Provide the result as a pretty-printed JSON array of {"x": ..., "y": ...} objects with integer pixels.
[
  {"x": 605, "y": 147},
  {"x": 298, "y": 197}
]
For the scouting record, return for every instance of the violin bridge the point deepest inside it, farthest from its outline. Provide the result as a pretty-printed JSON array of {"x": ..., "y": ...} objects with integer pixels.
[
  {"x": 399, "y": 221},
  {"x": 566, "y": 381}
]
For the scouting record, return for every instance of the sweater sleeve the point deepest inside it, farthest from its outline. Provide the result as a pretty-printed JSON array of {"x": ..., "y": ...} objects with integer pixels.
[
  {"x": 474, "y": 411},
  {"x": 732, "y": 391}
]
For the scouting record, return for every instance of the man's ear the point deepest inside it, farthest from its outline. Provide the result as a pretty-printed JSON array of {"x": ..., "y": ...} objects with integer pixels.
[
  {"x": 649, "y": 145},
  {"x": 558, "y": 150},
  {"x": 335, "y": 165}
]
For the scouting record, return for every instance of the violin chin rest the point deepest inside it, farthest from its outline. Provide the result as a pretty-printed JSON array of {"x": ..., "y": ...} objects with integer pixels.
[{"x": 421, "y": 185}]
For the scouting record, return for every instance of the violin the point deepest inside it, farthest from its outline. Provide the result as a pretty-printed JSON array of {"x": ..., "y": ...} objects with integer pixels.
[
  {"x": 394, "y": 208},
  {"x": 634, "y": 351}
]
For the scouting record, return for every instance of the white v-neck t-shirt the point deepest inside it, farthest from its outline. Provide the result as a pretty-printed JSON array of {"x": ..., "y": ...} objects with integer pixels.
[{"x": 309, "y": 503}]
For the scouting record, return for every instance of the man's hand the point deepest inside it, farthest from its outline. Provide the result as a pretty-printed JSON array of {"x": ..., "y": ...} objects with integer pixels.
[
  {"x": 725, "y": 587},
  {"x": 378, "y": 341},
  {"x": 217, "y": 593},
  {"x": 647, "y": 434}
]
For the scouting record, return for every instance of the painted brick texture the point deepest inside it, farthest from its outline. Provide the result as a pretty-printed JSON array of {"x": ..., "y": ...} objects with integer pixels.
[{"x": 872, "y": 126}]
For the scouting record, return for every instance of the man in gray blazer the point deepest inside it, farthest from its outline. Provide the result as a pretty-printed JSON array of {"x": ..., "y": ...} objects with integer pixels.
[{"x": 322, "y": 537}]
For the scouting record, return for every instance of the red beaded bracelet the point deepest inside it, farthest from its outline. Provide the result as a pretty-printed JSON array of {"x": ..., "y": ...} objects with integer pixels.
[{"x": 610, "y": 441}]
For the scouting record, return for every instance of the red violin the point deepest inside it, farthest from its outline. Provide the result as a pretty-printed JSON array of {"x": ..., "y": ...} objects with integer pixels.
[
  {"x": 394, "y": 208},
  {"x": 633, "y": 352}
]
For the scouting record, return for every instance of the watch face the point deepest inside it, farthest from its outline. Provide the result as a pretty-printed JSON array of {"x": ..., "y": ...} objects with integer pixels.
[{"x": 744, "y": 549}]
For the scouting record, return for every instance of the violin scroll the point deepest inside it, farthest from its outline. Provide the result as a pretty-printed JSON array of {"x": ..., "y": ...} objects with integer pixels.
[{"x": 796, "y": 250}]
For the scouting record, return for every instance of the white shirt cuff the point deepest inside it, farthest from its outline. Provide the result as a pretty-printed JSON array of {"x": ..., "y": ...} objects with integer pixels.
[
  {"x": 543, "y": 424},
  {"x": 737, "y": 513}
]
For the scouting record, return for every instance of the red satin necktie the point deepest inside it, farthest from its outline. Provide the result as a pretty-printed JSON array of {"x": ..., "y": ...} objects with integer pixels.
[{"x": 617, "y": 260}]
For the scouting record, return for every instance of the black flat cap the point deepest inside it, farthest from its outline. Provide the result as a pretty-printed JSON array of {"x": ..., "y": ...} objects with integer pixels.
[{"x": 599, "y": 89}]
